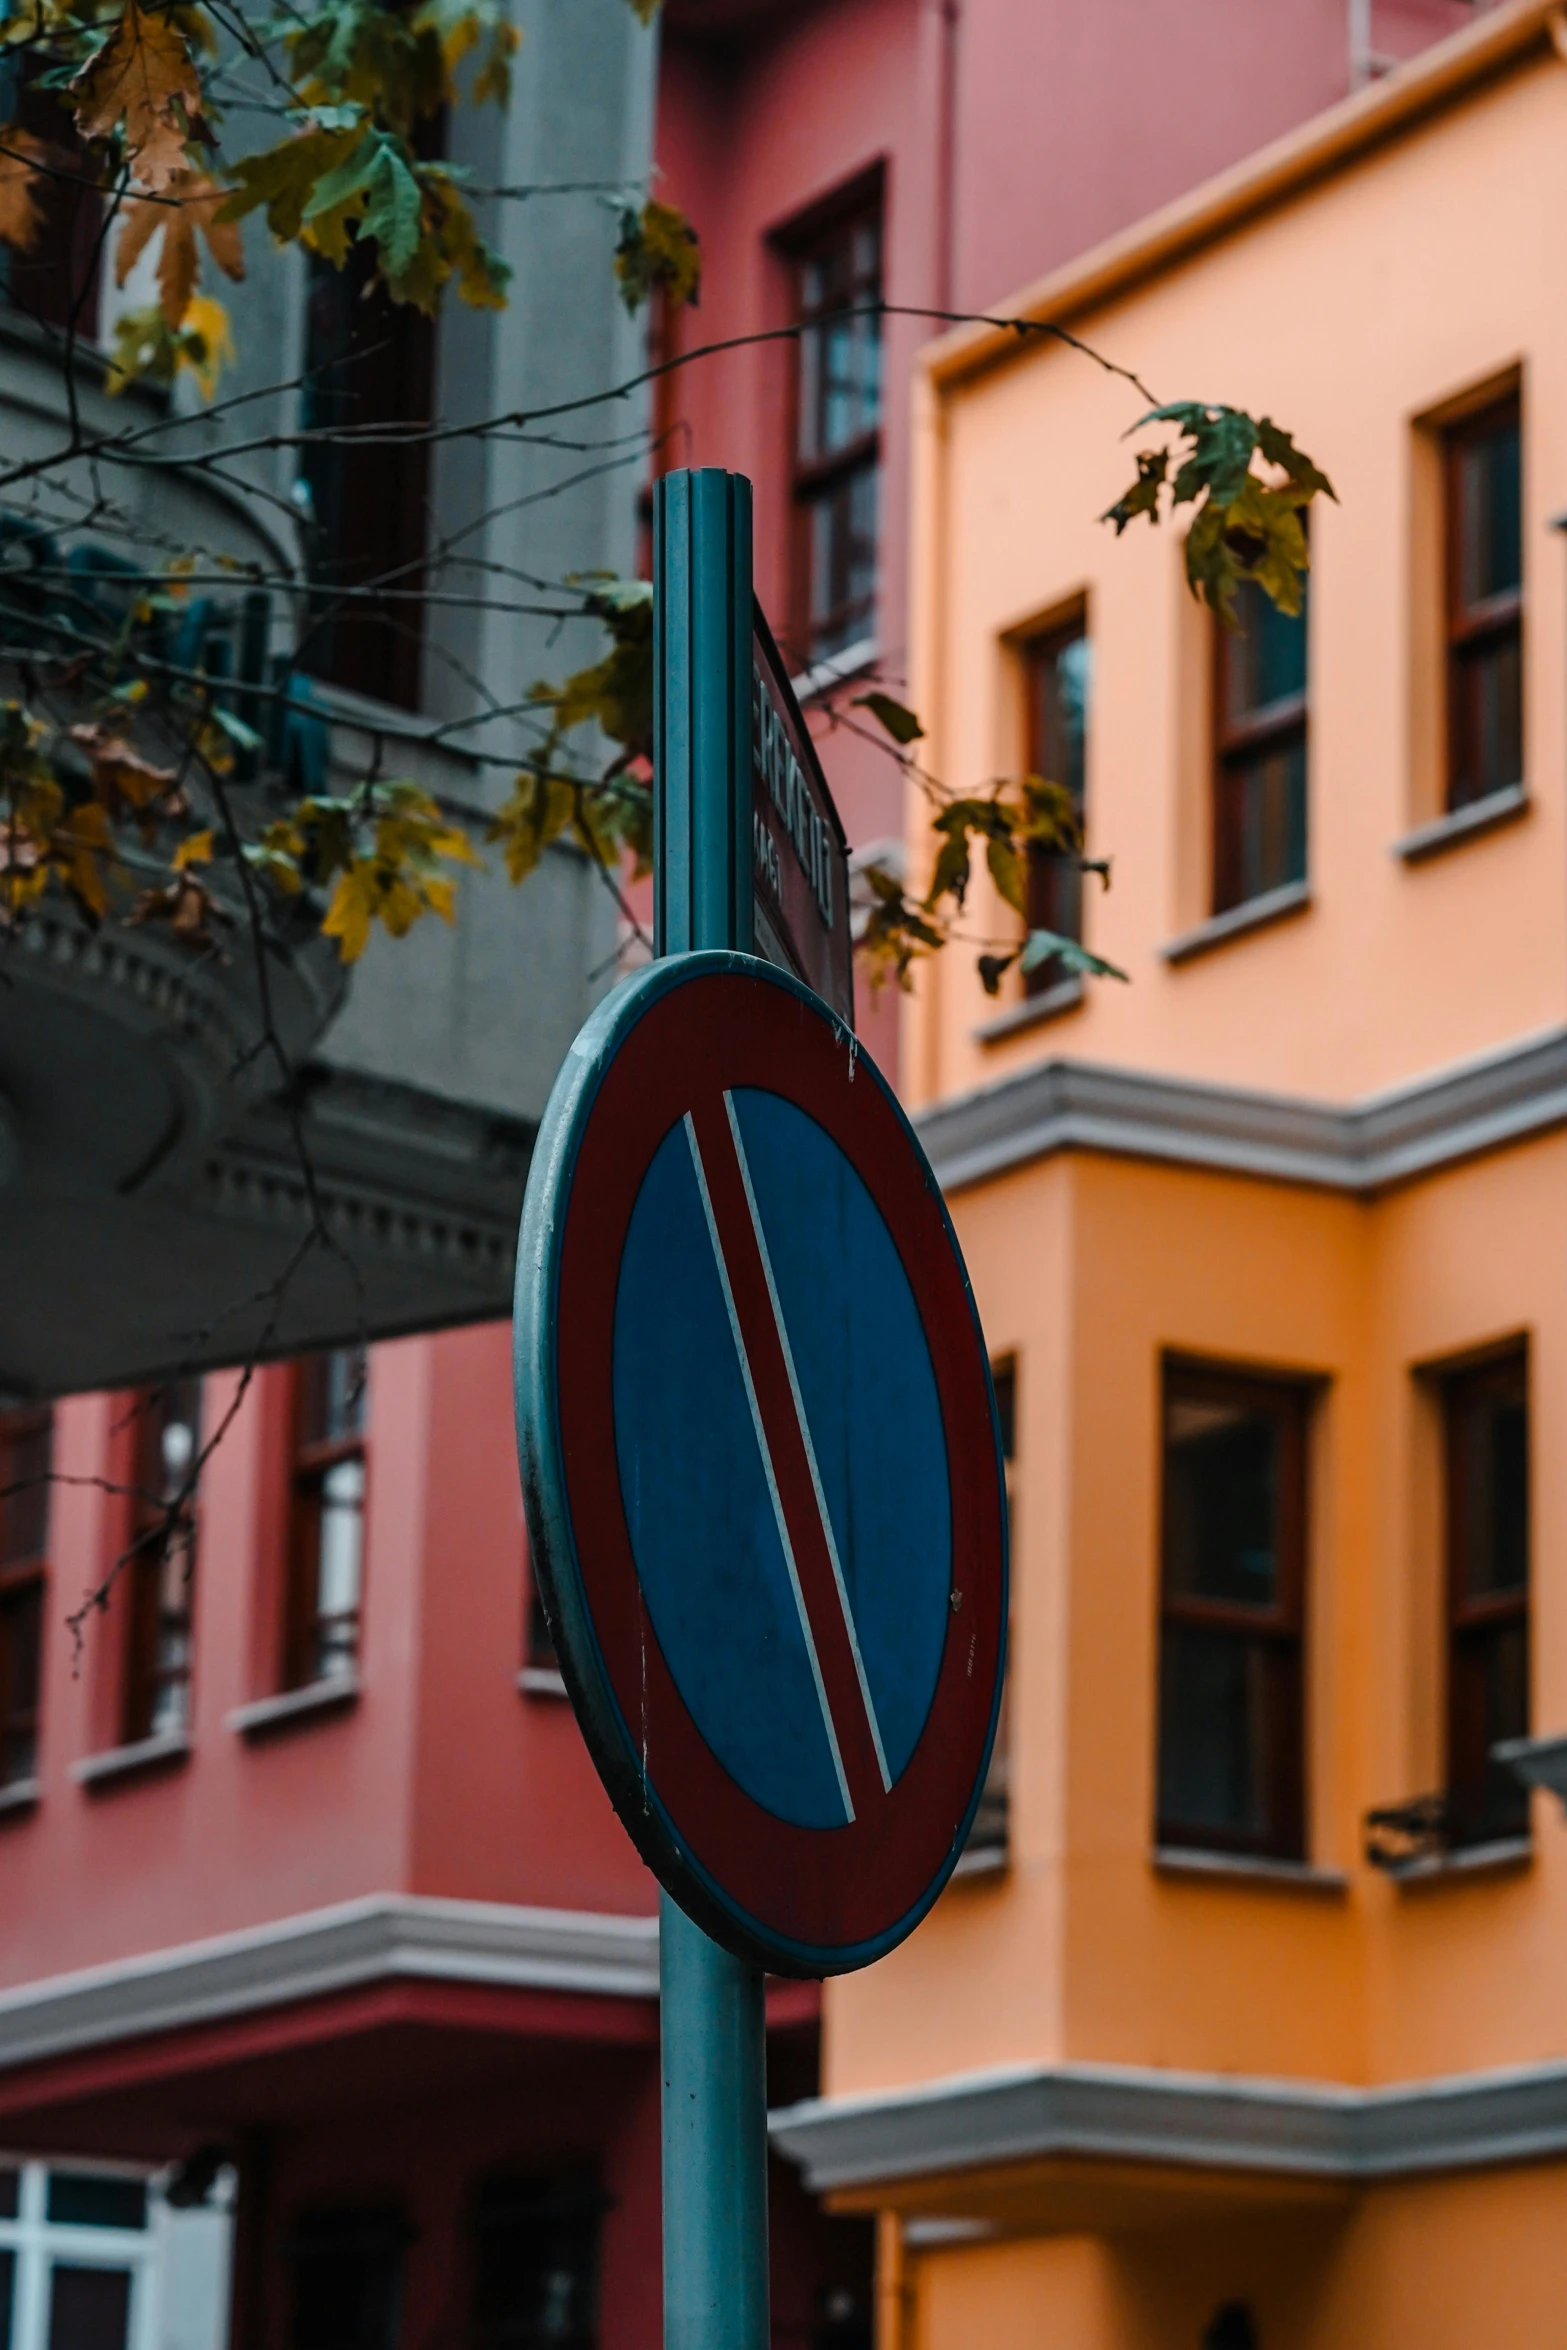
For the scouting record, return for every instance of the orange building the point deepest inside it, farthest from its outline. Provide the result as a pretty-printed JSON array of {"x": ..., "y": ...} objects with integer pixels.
[{"x": 1258, "y": 2034}]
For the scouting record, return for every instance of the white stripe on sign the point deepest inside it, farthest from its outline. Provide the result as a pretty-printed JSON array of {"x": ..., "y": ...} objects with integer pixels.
[
  {"x": 767, "y": 1464},
  {"x": 810, "y": 1449}
]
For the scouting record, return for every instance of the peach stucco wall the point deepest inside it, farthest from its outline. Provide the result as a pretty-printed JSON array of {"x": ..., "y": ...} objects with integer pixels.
[
  {"x": 1428, "y": 267},
  {"x": 1385, "y": 289}
]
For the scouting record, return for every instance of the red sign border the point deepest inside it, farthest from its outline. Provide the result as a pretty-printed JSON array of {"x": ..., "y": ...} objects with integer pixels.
[{"x": 803, "y": 1900}]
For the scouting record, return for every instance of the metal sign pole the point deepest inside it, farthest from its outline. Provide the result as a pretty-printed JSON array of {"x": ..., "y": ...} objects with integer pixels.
[{"x": 711, "y": 2004}]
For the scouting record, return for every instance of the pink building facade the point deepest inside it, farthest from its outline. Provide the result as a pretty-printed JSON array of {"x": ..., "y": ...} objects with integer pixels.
[{"x": 932, "y": 154}]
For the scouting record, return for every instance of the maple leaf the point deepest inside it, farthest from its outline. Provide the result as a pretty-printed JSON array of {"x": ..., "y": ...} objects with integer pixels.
[
  {"x": 20, "y": 216},
  {"x": 121, "y": 777},
  {"x": 658, "y": 247},
  {"x": 192, "y": 202},
  {"x": 145, "y": 78}
]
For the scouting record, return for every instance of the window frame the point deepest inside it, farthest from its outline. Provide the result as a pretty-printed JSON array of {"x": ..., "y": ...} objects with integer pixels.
[
  {"x": 1467, "y": 1619},
  {"x": 1497, "y": 618},
  {"x": 311, "y": 1460},
  {"x": 22, "y": 1578},
  {"x": 1052, "y": 886},
  {"x": 1284, "y": 1626},
  {"x": 145, "y": 1675},
  {"x": 812, "y": 480},
  {"x": 1235, "y": 744}
]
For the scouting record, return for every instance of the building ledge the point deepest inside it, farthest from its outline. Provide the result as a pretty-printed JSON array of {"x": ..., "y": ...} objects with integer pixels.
[
  {"x": 541, "y": 1681},
  {"x": 1275, "y": 905},
  {"x": 836, "y": 669},
  {"x": 1292, "y": 2129},
  {"x": 22, "y": 1796},
  {"x": 380, "y": 1938},
  {"x": 1033, "y": 1012},
  {"x": 266, "y": 1714},
  {"x": 982, "y": 1860},
  {"x": 1248, "y": 1869},
  {"x": 1464, "y": 824},
  {"x": 128, "y": 1762},
  {"x": 1505, "y": 1858}
]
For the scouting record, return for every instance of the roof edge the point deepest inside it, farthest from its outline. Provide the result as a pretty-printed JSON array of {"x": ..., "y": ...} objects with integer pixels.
[{"x": 1439, "y": 77}]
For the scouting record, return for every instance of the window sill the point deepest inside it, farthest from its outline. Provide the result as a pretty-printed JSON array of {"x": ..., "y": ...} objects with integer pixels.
[
  {"x": 541, "y": 1681},
  {"x": 1505, "y": 1858},
  {"x": 836, "y": 669},
  {"x": 266, "y": 1714},
  {"x": 126, "y": 1762},
  {"x": 23, "y": 1795},
  {"x": 1464, "y": 824},
  {"x": 1032, "y": 1012},
  {"x": 1290, "y": 1876},
  {"x": 1275, "y": 905},
  {"x": 982, "y": 1860}
]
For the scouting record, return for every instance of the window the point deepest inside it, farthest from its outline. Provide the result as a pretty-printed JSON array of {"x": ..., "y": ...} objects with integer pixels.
[
  {"x": 1058, "y": 667},
  {"x": 76, "y": 2260},
  {"x": 987, "y": 1838},
  {"x": 55, "y": 280},
  {"x": 326, "y": 1563},
  {"x": 26, "y": 1451},
  {"x": 1486, "y": 1426},
  {"x": 535, "y": 2268},
  {"x": 162, "y": 1567},
  {"x": 1259, "y": 775},
  {"x": 837, "y": 434},
  {"x": 348, "y": 2280},
  {"x": 1484, "y": 605},
  {"x": 368, "y": 361},
  {"x": 1231, "y": 1663}
]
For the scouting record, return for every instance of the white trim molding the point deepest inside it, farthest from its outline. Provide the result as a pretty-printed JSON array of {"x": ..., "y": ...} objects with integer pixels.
[
  {"x": 1359, "y": 1148},
  {"x": 381, "y": 1938},
  {"x": 1209, "y": 2121}
]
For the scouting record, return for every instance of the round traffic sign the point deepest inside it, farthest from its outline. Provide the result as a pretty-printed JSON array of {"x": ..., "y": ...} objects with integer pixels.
[{"x": 760, "y": 1461}]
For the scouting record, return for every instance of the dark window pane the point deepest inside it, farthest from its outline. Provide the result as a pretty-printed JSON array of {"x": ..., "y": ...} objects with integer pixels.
[
  {"x": 1495, "y": 1534},
  {"x": 89, "y": 2308},
  {"x": 843, "y": 560},
  {"x": 1490, "y": 1701},
  {"x": 1003, "y": 1376},
  {"x": 368, "y": 361},
  {"x": 1264, "y": 656},
  {"x": 162, "y": 1570},
  {"x": 1261, "y": 819},
  {"x": 536, "y": 2264},
  {"x": 839, "y": 389},
  {"x": 10, "y": 2186},
  {"x": 1491, "y": 512},
  {"x": 79, "y": 2199},
  {"x": 332, "y": 1396},
  {"x": 1222, "y": 1501},
  {"x": 348, "y": 2269},
  {"x": 21, "y": 1643},
  {"x": 1487, "y": 717},
  {"x": 1058, "y": 749},
  {"x": 26, "y": 1454},
  {"x": 1212, "y": 1733}
]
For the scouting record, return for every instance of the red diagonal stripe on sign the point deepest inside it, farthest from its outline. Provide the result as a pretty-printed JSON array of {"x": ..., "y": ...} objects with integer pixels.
[{"x": 784, "y": 1441}]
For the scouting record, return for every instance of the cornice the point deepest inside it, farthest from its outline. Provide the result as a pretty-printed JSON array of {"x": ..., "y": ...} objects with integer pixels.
[
  {"x": 1439, "y": 77},
  {"x": 1361, "y": 1148},
  {"x": 1210, "y": 2121},
  {"x": 380, "y": 1938}
]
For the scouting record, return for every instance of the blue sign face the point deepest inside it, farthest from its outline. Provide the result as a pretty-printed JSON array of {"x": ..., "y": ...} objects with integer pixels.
[
  {"x": 760, "y": 1459},
  {"x": 700, "y": 1468}
]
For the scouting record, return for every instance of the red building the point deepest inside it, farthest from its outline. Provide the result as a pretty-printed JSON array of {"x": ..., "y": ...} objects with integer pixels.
[{"x": 304, "y": 1872}]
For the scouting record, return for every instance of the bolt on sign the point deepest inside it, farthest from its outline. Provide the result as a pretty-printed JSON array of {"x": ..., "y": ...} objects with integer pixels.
[{"x": 800, "y": 858}]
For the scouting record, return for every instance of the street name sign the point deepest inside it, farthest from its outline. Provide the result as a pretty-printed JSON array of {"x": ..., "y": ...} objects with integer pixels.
[
  {"x": 760, "y": 1461},
  {"x": 800, "y": 858}
]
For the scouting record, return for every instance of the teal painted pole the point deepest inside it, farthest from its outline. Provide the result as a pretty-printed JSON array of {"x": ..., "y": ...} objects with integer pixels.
[{"x": 712, "y": 2018}]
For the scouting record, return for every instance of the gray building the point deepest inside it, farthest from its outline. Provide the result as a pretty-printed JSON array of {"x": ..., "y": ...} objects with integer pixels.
[{"x": 156, "y": 1168}]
